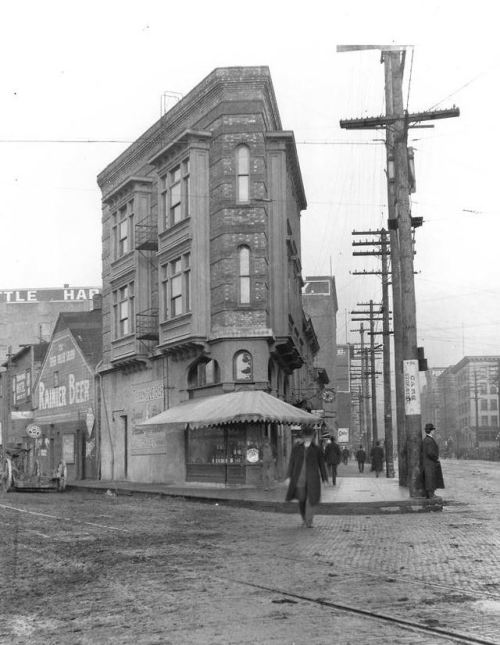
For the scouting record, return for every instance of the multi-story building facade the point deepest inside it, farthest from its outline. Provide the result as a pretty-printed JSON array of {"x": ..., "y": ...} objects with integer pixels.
[
  {"x": 445, "y": 414},
  {"x": 430, "y": 397},
  {"x": 28, "y": 315},
  {"x": 202, "y": 274},
  {"x": 476, "y": 379},
  {"x": 319, "y": 298},
  {"x": 17, "y": 381}
]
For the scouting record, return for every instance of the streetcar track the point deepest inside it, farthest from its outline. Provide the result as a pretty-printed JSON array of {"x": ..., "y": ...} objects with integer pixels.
[
  {"x": 64, "y": 519},
  {"x": 397, "y": 577},
  {"x": 409, "y": 625}
]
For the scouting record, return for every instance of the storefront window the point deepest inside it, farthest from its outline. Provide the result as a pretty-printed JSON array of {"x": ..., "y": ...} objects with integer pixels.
[{"x": 216, "y": 445}]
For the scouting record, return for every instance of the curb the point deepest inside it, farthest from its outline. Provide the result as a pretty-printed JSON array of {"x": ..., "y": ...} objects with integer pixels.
[{"x": 417, "y": 505}]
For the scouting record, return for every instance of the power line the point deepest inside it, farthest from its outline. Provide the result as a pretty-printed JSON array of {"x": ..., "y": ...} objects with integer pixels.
[{"x": 127, "y": 141}]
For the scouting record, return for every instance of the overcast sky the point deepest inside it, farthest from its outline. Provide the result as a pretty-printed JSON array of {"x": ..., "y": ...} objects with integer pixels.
[{"x": 96, "y": 71}]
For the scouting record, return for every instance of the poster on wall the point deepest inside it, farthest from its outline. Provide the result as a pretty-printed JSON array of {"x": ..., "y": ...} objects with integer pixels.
[
  {"x": 148, "y": 401},
  {"x": 148, "y": 440},
  {"x": 343, "y": 435},
  {"x": 68, "y": 448},
  {"x": 411, "y": 387}
]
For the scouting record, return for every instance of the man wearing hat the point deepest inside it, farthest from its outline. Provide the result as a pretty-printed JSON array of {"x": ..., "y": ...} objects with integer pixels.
[
  {"x": 305, "y": 472},
  {"x": 333, "y": 456},
  {"x": 432, "y": 473}
]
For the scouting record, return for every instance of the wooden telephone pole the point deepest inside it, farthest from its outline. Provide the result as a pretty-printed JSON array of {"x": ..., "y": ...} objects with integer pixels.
[
  {"x": 397, "y": 121},
  {"x": 383, "y": 253},
  {"x": 370, "y": 352}
]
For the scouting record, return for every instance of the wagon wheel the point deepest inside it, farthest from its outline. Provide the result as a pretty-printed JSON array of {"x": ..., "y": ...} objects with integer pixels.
[
  {"x": 63, "y": 473},
  {"x": 6, "y": 475}
]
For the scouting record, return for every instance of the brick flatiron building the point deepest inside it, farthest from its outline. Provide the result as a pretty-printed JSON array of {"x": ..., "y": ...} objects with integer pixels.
[{"x": 202, "y": 283}]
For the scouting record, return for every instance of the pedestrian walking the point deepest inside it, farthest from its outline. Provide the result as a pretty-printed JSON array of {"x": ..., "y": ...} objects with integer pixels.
[
  {"x": 332, "y": 458},
  {"x": 345, "y": 455},
  {"x": 267, "y": 464},
  {"x": 361, "y": 458},
  {"x": 306, "y": 470},
  {"x": 432, "y": 472},
  {"x": 377, "y": 457}
]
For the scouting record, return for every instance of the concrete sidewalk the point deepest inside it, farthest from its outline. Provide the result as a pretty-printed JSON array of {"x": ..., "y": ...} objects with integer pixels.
[{"x": 351, "y": 495}]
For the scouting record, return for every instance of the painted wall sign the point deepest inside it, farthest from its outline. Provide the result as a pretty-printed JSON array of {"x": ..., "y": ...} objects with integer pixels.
[
  {"x": 70, "y": 294},
  {"x": 411, "y": 387},
  {"x": 147, "y": 400},
  {"x": 66, "y": 382},
  {"x": 21, "y": 387},
  {"x": 150, "y": 440}
]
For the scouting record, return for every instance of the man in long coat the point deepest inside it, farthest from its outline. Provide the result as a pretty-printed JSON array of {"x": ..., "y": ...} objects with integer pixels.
[
  {"x": 432, "y": 473},
  {"x": 377, "y": 456},
  {"x": 361, "y": 458},
  {"x": 332, "y": 458},
  {"x": 306, "y": 470}
]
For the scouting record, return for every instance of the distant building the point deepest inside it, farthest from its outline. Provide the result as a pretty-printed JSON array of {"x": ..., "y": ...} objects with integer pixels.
[
  {"x": 319, "y": 299},
  {"x": 430, "y": 397},
  {"x": 476, "y": 382},
  {"x": 28, "y": 315},
  {"x": 17, "y": 383},
  {"x": 52, "y": 385}
]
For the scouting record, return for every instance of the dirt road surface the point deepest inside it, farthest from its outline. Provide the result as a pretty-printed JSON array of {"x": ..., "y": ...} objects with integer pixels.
[{"x": 81, "y": 568}]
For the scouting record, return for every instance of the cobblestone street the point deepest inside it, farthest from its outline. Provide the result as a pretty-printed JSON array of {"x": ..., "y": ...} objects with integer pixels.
[{"x": 92, "y": 568}]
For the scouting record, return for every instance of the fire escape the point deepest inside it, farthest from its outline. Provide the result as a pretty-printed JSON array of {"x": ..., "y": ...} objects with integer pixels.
[{"x": 146, "y": 239}]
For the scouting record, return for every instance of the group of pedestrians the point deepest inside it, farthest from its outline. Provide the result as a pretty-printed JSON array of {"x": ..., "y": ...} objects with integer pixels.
[{"x": 310, "y": 465}]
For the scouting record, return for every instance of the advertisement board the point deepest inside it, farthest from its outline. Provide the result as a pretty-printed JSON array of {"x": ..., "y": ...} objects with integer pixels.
[
  {"x": 343, "y": 435},
  {"x": 411, "y": 387}
]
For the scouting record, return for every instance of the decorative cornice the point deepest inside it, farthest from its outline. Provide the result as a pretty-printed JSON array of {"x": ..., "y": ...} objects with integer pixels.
[
  {"x": 182, "y": 140},
  {"x": 127, "y": 186},
  {"x": 192, "y": 109}
]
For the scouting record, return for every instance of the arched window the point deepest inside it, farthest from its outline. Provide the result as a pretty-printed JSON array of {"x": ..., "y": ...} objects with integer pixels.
[
  {"x": 243, "y": 366},
  {"x": 243, "y": 173},
  {"x": 204, "y": 372},
  {"x": 244, "y": 274}
]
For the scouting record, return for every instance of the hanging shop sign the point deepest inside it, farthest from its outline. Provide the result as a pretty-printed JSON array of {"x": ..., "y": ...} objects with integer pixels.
[{"x": 33, "y": 431}]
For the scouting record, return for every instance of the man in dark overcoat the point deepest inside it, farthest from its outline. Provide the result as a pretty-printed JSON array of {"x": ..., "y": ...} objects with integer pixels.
[
  {"x": 377, "y": 456},
  {"x": 332, "y": 458},
  {"x": 306, "y": 470},
  {"x": 361, "y": 458},
  {"x": 432, "y": 473}
]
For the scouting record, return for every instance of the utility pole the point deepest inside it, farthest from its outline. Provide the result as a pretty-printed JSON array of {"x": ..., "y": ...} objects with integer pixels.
[
  {"x": 398, "y": 121},
  {"x": 389, "y": 448},
  {"x": 384, "y": 273},
  {"x": 373, "y": 377},
  {"x": 370, "y": 352},
  {"x": 364, "y": 408}
]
